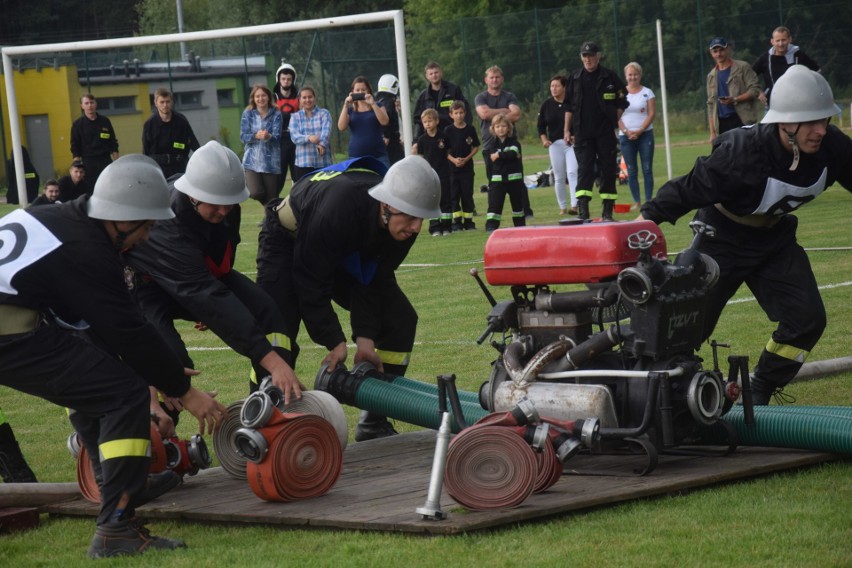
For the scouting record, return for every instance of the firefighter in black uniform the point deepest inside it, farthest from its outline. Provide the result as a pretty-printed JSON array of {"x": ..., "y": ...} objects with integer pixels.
[
  {"x": 167, "y": 136},
  {"x": 338, "y": 237},
  {"x": 386, "y": 96},
  {"x": 596, "y": 97},
  {"x": 93, "y": 139},
  {"x": 185, "y": 270},
  {"x": 286, "y": 96},
  {"x": 747, "y": 188},
  {"x": 439, "y": 95},
  {"x": 62, "y": 263}
]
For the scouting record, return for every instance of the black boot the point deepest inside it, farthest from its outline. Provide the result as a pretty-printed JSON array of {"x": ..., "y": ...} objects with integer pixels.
[
  {"x": 372, "y": 426},
  {"x": 606, "y": 213},
  {"x": 13, "y": 466},
  {"x": 127, "y": 538},
  {"x": 583, "y": 208},
  {"x": 158, "y": 484}
]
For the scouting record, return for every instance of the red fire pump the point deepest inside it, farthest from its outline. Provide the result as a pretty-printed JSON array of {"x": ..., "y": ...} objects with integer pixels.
[{"x": 620, "y": 348}]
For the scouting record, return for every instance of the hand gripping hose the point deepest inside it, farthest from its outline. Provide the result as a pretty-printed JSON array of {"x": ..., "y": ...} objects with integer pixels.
[
  {"x": 304, "y": 459},
  {"x": 490, "y": 467}
]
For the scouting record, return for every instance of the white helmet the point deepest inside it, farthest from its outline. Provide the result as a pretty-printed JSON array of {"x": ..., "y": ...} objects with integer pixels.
[
  {"x": 388, "y": 84},
  {"x": 132, "y": 188},
  {"x": 412, "y": 186},
  {"x": 214, "y": 175},
  {"x": 286, "y": 68},
  {"x": 800, "y": 95}
]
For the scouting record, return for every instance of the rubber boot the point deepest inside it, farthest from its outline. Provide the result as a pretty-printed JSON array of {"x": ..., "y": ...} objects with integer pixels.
[
  {"x": 606, "y": 213},
  {"x": 13, "y": 466},
  {"x": 583, "y": 208},
  {"x": 372, "y": 426}
]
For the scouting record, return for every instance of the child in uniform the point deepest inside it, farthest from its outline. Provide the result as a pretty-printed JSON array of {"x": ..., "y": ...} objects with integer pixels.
[
  {"x": 432, "y": 145},
  {"x": 463, "y": 144},
  {"x": 507, "y": 175}
]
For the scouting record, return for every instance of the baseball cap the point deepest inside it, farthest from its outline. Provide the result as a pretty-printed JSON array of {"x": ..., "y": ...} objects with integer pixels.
[
  {"x": 589, "y": 47},
  {"x": 78, "y": 164},
  {"x": 718, "y": 41}
]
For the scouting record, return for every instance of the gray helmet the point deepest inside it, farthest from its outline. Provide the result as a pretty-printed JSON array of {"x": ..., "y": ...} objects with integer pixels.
[
  {"x": 800, "y": 95},
  {"x": 388, "y": 84},
  {"x": 412, "y": 186},
  {"x": 132, "y": 188},
  {"x": 286, "y": 68},
  {"x": 214, "y": 175}
]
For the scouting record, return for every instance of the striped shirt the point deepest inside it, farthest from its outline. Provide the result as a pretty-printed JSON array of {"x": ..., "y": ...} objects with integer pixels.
[
  {"x": 262, "y": 156},
  {"x": 302, "y": 126}
]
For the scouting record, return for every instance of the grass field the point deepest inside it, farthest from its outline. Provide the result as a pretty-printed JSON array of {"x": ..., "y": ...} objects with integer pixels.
[{"x": 800, "y": 518}]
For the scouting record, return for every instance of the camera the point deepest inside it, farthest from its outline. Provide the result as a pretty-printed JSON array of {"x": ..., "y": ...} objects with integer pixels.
[{"x": 358, "y": 96}]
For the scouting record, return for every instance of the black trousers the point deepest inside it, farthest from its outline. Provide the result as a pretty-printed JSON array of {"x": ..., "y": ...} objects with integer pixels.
[
  {"x": 108, "y": 399},
  {"x": 496, "y": 199},
  {"x": 777, "y": 271},
  {"x": 398, "y": 317},
  {"x": 596, "y": 156}
]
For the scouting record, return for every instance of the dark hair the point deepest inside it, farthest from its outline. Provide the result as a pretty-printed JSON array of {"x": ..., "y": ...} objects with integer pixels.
[
  {"x": 561, "y": 78},
  {"x": 260, "y": 87},
  {"x": 362, "y": 79},
  {"x": 162, "y": 92},
  {"x": 457, "y": 105},
  {"x": 307, "y": 88},
  {"x": 432, "y": 65},
  {"x": 51, "y": 182}
]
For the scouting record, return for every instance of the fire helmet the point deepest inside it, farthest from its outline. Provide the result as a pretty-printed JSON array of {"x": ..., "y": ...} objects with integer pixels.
[
  {"x": 285, "y": 68},
  {"x": 214, "y": 175},
  {"x": 132, "y": 188},
  {"x": 388, "y": 84},
  {"x": 800, "y": 95},
  {"x": 412, "y": 186}
]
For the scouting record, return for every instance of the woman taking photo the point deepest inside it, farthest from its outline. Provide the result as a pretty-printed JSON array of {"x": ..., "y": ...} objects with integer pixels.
[
  {"x": 365, "y": 118},
  {"x": 636, "y": 135},
  {"x": 310, "y": 130},
  {"x": 260, "y": 133},
  {"x": 551, "y": 130}
]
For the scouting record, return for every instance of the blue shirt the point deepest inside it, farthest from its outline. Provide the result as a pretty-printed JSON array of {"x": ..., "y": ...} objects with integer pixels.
[
  {"x": 262, "y": 156},
  {"x": 301, "y": 126},
  {"x": 365, "y": 137}
]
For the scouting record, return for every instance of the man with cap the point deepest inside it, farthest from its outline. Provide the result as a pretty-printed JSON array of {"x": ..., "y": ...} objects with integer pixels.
[
  {"x": 338, "y": 238},
  {"x": 74, "y": 184},
  {"x": 185, "y": 271},
  {"x": 732, "y": 90},
  {"x": 596, "y": 97},
  {"x": 286, "y": 97},
  {"x": 746, "y": 189},
  {"x": 62, "y": 263}
]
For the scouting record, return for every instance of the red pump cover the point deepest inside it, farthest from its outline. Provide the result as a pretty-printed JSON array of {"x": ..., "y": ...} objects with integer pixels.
[{"x": 565, "y": 254}]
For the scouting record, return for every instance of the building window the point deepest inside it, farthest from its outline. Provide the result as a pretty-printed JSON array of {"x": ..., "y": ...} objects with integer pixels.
[
  {"x": 188, "y": 100},
  {"x": 116, "y": 105},
  {"x": 225, "y": 97}
]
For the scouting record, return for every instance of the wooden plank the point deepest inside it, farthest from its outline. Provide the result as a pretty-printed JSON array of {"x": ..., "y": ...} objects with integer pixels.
[{"x": 384, "y": 481}]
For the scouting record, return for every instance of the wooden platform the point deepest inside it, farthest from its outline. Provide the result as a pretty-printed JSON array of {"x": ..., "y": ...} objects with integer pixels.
[{"x": 384, "y": 481}]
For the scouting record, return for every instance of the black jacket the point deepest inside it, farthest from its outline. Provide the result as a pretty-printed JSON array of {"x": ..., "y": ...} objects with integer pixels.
[
  {"x": 174, "y": 137},
  {"x": 93, "y": 137},
  {"x": 341, "y": 252},
  {"x": 611, "y": 96},
  {"x": 448, "y": 93},
  {"x": 748, "y": 173},
  {"x": 185, "y": 257},
  {"x": 82, "y": 277},
  {"x": 509, "y": 165}
]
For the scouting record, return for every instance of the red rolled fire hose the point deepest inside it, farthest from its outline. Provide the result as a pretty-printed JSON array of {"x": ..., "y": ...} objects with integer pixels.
[
  {"x": 304, "y": 459},
  {"x": 490, "y": 467}
]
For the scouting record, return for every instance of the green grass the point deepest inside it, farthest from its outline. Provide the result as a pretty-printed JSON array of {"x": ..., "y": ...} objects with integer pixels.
[{"x": 799, "y": 518}]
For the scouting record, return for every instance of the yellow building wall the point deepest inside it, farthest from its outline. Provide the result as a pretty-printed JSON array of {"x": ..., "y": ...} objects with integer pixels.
[{"x": 56, "y": 93}]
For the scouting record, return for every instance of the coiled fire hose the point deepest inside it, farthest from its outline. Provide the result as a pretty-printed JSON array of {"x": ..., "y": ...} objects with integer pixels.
[
  {"x": 224, "y": 443},
  {"x": 184, "y": 457},
  {"x": 291, "y": 457}
]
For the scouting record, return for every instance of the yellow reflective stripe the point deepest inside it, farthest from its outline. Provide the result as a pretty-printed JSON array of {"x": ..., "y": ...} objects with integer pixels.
[
  {"x": 105, "y": 135},
  {"x": 393, "y": 357},
  {"x": 29, "y": 175},
  {"x": 517, "y": 214},
  {"x": 612, "y": 196},
  {"x": 609, "y": 96},
  {"x": 253, "y": 376},
  {"x": 515, "y": 177},
  {"x": 324, "y": 176},
  {"x": 787, "y": 351},
  {"x": 279, "y": 340},
  {"x": 126, "y": 448},
  {"x": 179, "y": 145},
  {"x": 495, "y": 216},
  {"x": 457, "y": 214},
  {"x": 584, "y": 193},
  {"x": 446, "y": 104}
]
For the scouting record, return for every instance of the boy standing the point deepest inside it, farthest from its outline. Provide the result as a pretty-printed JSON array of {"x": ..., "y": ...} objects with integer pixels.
[
  {"x": 433, "y": 146},
  {"x": 462, "y": 146}
]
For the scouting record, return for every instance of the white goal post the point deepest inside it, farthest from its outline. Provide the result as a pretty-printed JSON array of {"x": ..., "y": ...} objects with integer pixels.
[{"x": 394, "y": 16}]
